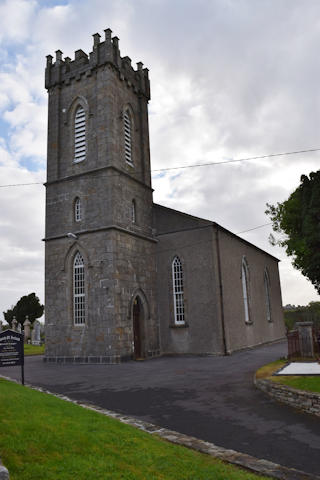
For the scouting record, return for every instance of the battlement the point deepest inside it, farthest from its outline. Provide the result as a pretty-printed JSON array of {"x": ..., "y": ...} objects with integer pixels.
[{"x": 63, "y": 71}]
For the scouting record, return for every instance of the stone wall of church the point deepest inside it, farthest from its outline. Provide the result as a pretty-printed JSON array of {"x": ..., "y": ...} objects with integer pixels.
[
  {"x": 202, "y": 332},
  {"x": 239, "y": 333},
  {"x": 118, "y": 267}
]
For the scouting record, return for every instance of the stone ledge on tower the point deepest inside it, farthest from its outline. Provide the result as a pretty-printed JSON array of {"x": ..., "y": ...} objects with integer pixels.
[{"x": 63, "y": 71}]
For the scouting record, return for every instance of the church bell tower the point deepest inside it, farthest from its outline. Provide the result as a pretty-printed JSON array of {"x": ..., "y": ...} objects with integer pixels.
[{"x": 100, "y": 286}]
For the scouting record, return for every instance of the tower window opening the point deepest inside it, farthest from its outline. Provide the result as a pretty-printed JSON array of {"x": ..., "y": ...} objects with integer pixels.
[
  {"x": 127, "y": 125},
  {"x": 77, "y": 210},
  {"x": 80, "y": 135},
  {"x": 178, "y": 295},
  {"x": 133, "y": 211},
  {"x": 78, "y": 290}
]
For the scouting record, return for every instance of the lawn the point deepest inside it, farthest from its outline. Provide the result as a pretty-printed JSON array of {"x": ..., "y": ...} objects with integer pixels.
[
  {"x": 43, "y": 437},
  {"x": 309, "y": 383},
  {"x": 33, "y": 349}
]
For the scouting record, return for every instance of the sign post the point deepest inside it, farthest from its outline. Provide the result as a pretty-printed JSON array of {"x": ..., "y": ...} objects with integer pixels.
[{"x": 11, "y": 350}]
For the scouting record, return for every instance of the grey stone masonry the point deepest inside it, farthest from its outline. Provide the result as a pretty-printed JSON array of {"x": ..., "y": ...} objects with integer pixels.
[
  {"x": 103, "y": 53},
  {"x": 100, "y": 212},
  {"x": 308, "y": 402},
  {"x": 118, "y": 251}
]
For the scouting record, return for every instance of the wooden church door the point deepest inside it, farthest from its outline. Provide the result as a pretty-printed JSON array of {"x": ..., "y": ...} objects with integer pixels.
[{"x": 136, "y": 313}]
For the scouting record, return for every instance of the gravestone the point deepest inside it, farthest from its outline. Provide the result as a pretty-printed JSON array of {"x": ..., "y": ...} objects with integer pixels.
[
  {"x": 35, "y": 337},
  {"x": 305, "y": 339},
  {"x": 27, "y": 330},
  {"x": 18, "y": 329},
  {"x": 4, "y": 474},
  {"x": 14, "y": 324}
]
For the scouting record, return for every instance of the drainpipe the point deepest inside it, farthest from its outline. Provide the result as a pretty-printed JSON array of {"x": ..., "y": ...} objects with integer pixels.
[{"x": 225, "y": 346}]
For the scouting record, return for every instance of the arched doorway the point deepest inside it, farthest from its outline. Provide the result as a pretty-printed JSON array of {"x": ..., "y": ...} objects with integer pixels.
[{"x": 137, "y": 318}]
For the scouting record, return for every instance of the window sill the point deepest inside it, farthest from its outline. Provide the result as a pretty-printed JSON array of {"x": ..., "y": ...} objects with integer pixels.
[{"x": 182, "y": 325}]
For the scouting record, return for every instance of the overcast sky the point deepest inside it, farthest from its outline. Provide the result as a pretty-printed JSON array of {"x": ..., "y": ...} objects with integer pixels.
[{"x": 230, "y": 79}]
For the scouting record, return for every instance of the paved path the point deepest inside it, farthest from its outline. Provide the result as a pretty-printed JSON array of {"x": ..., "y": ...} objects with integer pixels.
[{"x": 212, "y": 398}]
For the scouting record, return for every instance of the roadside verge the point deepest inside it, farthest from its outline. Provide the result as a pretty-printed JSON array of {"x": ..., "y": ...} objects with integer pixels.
[{"x": 257, "y": 466}]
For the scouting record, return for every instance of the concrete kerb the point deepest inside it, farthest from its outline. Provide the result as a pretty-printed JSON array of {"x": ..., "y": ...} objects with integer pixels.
[{"x": 255, "y": 465}]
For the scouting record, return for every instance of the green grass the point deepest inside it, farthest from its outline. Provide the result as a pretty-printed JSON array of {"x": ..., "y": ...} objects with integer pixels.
[
  {"x": 43, "y": 437},
  {"x": 309, "y": 383},
  {"x": 269, "y": 369},
  {"x": 33, "y": 349}
]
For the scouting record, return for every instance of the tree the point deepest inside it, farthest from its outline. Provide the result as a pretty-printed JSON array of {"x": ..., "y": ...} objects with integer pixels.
[
  {"x": 8, "y": 316},
  {"x": 27, "y": 305},
  {"x": 298, "y": 219}
]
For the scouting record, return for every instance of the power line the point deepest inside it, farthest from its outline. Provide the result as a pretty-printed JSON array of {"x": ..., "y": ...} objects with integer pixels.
[
  {"x": 195, "y": 165},
  {"x": 255, "y": 228},
  {"x": 21, "y": 184},
  {"x": 239, "y": 160}
]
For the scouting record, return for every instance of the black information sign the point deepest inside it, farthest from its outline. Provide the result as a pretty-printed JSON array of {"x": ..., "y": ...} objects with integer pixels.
[{"x": 11, "y": 350}]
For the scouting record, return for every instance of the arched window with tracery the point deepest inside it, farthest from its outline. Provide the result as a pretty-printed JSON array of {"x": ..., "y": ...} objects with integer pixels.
[
  {"x": 127, "y": 127},
  {"x": 79, "y": 299},
  {"x": 267, "y": 295},
  {"x": 245, "y": 289},
  {"x": 178, "y": 293},
  {"x": 79, "y": 134},
  {"x": 77, "y": 210}
]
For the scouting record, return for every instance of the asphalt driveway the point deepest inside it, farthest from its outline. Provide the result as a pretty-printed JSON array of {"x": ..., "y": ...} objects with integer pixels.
[{"x": 212, "y": 398}]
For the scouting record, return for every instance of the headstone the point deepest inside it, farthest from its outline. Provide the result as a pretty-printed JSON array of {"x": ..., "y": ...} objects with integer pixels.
[
  {"x": 14, "y": 324},
  {"x": 18, "y": 329},
  {"x": 4, "y": 474},
  {"x": 36, "y": 340},
  {"x": 305, "y": 339},
  {"x": 27, "y": 330}
]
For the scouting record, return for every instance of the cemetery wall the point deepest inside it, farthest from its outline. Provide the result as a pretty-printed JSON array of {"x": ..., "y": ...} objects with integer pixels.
[{"x": 309, "y": 402}]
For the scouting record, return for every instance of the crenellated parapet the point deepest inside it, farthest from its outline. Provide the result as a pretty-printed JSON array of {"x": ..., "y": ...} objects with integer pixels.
[{"x": 64, "y": 71}]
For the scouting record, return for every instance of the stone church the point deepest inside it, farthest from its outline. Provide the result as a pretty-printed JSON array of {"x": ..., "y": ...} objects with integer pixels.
[{"x": 126, "y": 278}]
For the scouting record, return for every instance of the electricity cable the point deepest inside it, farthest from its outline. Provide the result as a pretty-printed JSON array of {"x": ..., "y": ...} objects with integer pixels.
[{"x": 196, "y": 165}]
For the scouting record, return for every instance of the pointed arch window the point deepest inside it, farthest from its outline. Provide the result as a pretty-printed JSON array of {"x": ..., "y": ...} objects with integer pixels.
[
  {"x": 245, "y": 289},
  {"x": 267, "y": 295},
  {"x": 77, "y": 210},
  {"x": 79, "y": 315},
  {"x": 79, "y": 134},
  {"x": 178, "y": 294},
  {"x": 127, "y": 127}
]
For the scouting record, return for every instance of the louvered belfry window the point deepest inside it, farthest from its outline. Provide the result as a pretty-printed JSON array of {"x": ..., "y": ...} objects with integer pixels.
[
  {"x": 78, "y": 290},
  {"x": 80, "y": 135},
  {"x": 127, "y": 125},
  {"x": 178, "y": 297}
]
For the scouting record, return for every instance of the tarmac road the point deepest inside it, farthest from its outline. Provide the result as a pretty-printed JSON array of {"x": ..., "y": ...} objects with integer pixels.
[{"x": 211, "y": 398}]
